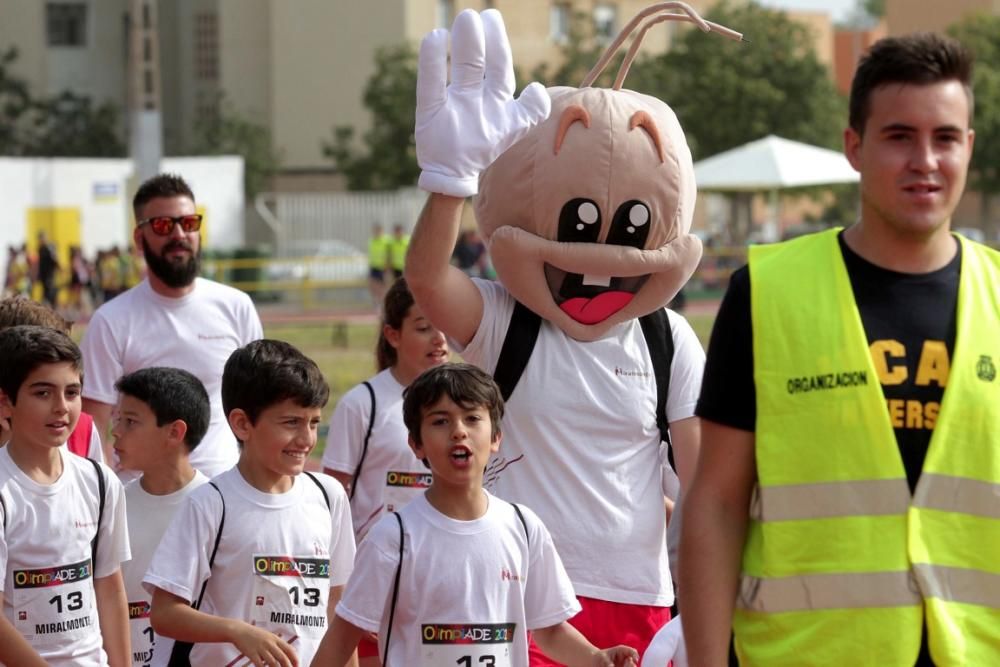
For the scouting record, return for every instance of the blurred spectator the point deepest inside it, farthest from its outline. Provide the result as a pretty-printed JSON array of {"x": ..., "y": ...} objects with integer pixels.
[
  {"x": 470, "y": 254},
  {"x": 397, "y": 251},
  {"x": 79, "y": 284},
  {"x": 378, "y": 264},
  {"x": 48, "y": 265},
  {"x": 17, "y": 273},
  {"x": 110, "y": 268}
]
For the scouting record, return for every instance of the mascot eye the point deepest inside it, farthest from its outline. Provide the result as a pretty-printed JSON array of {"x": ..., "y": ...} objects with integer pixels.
[
  {"x": 579, "y": 222},
  {"x": 630, "y": 225}
]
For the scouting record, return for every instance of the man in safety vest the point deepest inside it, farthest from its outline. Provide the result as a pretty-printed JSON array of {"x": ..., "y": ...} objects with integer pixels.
[{"x": 845, "y": 507}]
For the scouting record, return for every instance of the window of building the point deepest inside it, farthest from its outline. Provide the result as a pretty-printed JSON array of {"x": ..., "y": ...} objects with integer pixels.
[
  {"x": 445, "y": 13},
  {"x": 605, "y": 21},
  {"x": 560, "y": 14},
  {"x": 66, "y": 23},
  {"x": 206, "y": 46}
]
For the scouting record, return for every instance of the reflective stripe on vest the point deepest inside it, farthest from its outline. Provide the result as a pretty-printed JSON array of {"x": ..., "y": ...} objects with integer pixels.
[{"x": 833, "y": 528}]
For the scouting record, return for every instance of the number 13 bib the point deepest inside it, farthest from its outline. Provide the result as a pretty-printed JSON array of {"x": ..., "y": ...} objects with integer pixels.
[
  {"x": 54, "y": 602},
  {"x": 466, "y": 644}
]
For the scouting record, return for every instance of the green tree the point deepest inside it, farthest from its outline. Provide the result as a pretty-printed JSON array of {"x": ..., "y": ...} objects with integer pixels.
[
  {"x": 981, "y": 34},
  {"x": 70, "y": 125},
  {"x": 14, "y": 103},
  {"x": 228, "y": 133},
  {"x": 387, "y": 157},
  {"x": 874, "y": 8},
  {"x": 727, "y": 93},
  {"x": 65, "y": 125}
]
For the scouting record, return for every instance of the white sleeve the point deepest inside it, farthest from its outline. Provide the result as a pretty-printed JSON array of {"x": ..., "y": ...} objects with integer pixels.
[
  {"x": 113, "y": 546},
  {"x": 102, "y": 363},
  {"x": 549, "y": 598},
  {"x": 252, "y": 328},
  {"x": 367, "y": 593},
  {"x": 342, "y": 549},
  {"x": 484, "y": 348},
  {"x": 348, "y": 426},
  {"x": 94, "y": 449},
  {"x": 686, "y": 369},
  {"x": 180, "y": 562}
]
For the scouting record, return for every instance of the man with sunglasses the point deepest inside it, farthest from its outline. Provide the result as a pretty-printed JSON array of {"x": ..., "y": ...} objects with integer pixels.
[{"x": 172, "y": 318}]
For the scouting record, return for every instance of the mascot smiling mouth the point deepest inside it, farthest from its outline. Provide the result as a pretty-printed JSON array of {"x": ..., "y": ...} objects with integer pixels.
[{"x": 590, "y": 299}]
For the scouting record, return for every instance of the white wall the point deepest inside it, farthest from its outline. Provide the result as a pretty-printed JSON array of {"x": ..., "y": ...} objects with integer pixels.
[{"x": 102, "y": 190}]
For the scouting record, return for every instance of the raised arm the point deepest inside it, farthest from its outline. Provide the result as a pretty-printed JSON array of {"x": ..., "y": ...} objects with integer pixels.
[
  {"x": 101, "y": 412},
  {"x": 447, "y": 296},
  {"x": 716, "y": 511},
  {"x": 461, "y": 127}
]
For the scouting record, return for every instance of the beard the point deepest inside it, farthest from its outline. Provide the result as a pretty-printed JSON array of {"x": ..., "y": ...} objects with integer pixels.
[{"x": 173, "y": 274}]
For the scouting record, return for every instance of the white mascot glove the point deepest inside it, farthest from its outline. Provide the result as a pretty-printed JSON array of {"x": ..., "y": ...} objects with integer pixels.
[{"x": 464, "y": 126}]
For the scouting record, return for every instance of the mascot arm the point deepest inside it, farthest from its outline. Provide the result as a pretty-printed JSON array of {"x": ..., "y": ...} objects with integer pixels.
[
  {"x": 446, "y": 295},
  {"x": 463, "y": 126}
]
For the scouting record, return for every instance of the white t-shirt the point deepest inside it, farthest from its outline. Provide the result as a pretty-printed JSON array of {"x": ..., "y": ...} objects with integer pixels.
[
  {"x": 196, "y": 332},
  {"x": 278, "y": 558},
  {"x": 148, "y": 518},
  {"x": 581, "y": 446},
  {"x": 466, "y": 588},
  {"x": 45, "y": 553},
  {"x": 391, "y": 475}
]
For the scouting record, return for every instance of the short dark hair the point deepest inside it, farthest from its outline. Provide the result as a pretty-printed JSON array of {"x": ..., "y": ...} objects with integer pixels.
[
  {"x": 18, "y": 310},
  {"x": 171, "y": 394},
  {"x": 920, "y": 58},
  {"x": 266, "y": 372},
  {"x": 395, "y": 307},
  {"x": 26, "y": 347},
  {"x": 465, "y": 384},
  {"x": 161, "y": 185}
]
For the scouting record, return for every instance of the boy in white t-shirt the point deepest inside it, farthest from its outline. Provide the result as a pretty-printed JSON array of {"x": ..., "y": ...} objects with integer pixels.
[
  {"x": 253, "y": 563},
  {"x": 458, "y": 576},
  {"x": 163, "y": 414},
  {"x": 63, "y": 536}
]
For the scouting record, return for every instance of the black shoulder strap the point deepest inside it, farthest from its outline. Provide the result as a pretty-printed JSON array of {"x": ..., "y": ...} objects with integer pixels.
[
  {"x": 395, "y": 592},
  {"x": 322, "y": 489},
  {"x": 3, "y": 505},
  {"x": 180, "y": 655},
  {"x": 524, "y": 524},
  {"x": 518, "y": 344},
  {"x": 364, "y": 448},
  {"x": 101, "y": 493},
  {"x": 660, "y": 342}
]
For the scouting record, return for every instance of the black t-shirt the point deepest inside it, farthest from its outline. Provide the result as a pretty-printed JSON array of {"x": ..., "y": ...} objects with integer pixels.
[{"x": 909, "y": 321}]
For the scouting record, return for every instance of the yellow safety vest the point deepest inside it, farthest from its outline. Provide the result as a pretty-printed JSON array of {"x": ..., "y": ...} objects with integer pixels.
[
  {"x": 841, "y": 566},
  {"x": 397, "y": 252},
  {"x": 378, "y": 252}
]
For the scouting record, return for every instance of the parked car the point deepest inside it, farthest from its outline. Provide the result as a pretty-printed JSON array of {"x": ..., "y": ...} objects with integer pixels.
[{"x": 331, "y": 262}]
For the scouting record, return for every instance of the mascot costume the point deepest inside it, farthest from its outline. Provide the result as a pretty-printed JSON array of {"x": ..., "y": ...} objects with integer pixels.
[{"x": 585, "y": 198}]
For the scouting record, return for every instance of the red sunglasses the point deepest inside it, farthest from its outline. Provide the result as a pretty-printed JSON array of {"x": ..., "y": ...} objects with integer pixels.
[{"x": 163, "y": 225}]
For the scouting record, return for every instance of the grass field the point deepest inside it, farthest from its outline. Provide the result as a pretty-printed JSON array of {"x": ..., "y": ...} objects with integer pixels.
[{"x": 346, "y": 356}]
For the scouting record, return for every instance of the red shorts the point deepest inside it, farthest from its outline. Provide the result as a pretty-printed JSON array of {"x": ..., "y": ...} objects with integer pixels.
[
  {"x": 606, "y": 624},
  {"x": 367, "y": 648}
]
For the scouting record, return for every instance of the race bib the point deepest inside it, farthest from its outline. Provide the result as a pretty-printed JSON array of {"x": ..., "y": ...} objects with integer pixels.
[
  {"x": 290, "y": 595},
  {"x": 55, "y": 603},
  {"x": 402, "y": 487},
  {"x": 467, "y": 645},
  {"x": 143, "y": 639}
]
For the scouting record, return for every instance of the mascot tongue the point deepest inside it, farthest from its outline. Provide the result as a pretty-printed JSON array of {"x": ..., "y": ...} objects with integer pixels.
[{"x": 597, "y": 309}]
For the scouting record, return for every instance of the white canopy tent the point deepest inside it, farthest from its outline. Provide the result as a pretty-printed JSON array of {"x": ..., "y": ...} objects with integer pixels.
[{"x": 771, "y": 164}]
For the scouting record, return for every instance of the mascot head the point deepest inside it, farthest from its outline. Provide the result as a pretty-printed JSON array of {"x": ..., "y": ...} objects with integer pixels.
[{"x": 588, "y": 215}]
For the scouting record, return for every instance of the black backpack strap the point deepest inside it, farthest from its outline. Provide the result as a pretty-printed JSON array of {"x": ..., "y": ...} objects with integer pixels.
[
  {"x": 101, "y": 494},
  {"x": 322, "y": 489},
  {"x": 518, "y": 344},
  {"x": 524, "y": 524},
  {"x": 180, "y": 655},
  {"x": 364, "y": 448},
  {"x": 660, "y": 343},
  {"x": 395, "y": 592},
  {"x": 3, "y": 505}
]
